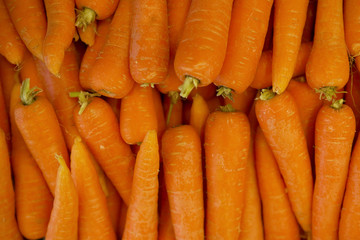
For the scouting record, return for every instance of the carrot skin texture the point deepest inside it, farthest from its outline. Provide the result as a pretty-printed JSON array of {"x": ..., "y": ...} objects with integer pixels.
[
  {"x": 226, "y": 158},
  {"x": 8, "y": 76},
  {"x": 351, "y": 27},
  {"x": 113, "y": 201},
  {"x": 142, "y": 216},
  {"x": 103, "y": 9},
  {"x": 334, "y": 134},
  {"x": 29, "y": 70},
  {"x": 166, "y": 229},
  {"x": 198, "y": 115},
  {"x": 181, "y": 154},
  {"x": 274, "y": 116},
  {"x": 171, "y": 81},
  {"x": 249, "y": 24}
]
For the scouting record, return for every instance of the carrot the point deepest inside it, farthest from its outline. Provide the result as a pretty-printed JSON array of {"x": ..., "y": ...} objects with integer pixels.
[
  {"x": 122, "y": 220},
  {"x": 279, "y": 119},
  {"x": 198, "y": 115},
  {"x": 242, "y": 102},
  {"x": 105, "y": 143},
  {"x": 8, "y": 77},
  {"x": 161, "y": 123},
  {"x": 279, "y": 219},
  {"x": 110, "y": 74},
  {"x": 8, "y": 227},
  {"x": 59, "y": 34},
  {"x": 352, "y": 96},
  {"x": 181, "y": 153},
  {"x": 263, "y": 74},
  {"x": 214, "y": 103},
  {"x": 92, "y": 52},
  {"x": 289, "y": 22},
  {"x": 206, "y": 92},
  {"x": 87, "y": 35},
  {"x": 171, "y": 82},
  {"x": 142, "y": 216},
  {"x": 29, "y": 70},
  {"x": 94, "y": 218},
  {"x": 115, "y": 105},
  {"x": 33, "y": 199},
  {"x": 173, "y": 115},
  {"x": 31, "y": 113},
  {"x": 64, "y": 215},
  {"x": 113, "y": 201},
  {"x": 4, "y": 119},
  {"x": 227, "y": 139},
  {"x": 268, "y": 42},
  {"x": 29, "y": 20},
  {"x": 327, "y": 69},
  {"x": 334, "y": 134},
  {"x": 308, "y": 32},
  {"x": 349, "y": 220},
  {"x": 351, "y": 28},
  {"x": 137, "y": 114},
  {"x": 207, "y": 25},
  {"x": 249, "y": 24}
]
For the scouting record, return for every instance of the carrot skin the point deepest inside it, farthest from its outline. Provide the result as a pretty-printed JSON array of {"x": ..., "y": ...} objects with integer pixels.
[
  {"x": 352, "y": 95},
  {"x": 4, "y": 118},
  {"x": 242, "y": 101},
  {"x": 8, "y": 77},
  {"x": 103, "y": 9},
  {"x": 198, "y": 115},
  {"x": 351, "y": 28},
  {"x": 176, "y": 113},
  {"x": 88, "y": 34},
  {"x": 114, "y": 202}
]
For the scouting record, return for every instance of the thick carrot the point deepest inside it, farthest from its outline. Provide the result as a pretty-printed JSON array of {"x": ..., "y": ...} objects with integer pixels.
[
  {"x": 279, "y": 119},
  {"x": 4, "y": 118},
  {"x": 88, "y": 34},
  {"x": 279, "y": 219},
  {"x": 249, "y": 24},
  {"x": 29, "y": 19},
  {"x": 181, "y": 153},
  {"x": 60, "y": 32},
  {"x": 207, "y": 25},
  {"x": 263, "y": 74},
  {"x": 242, "y": 101},
  {"x": 137, "y": 114},
  {"x": 113, "y": 201},
  {"x": 328, "y": 67},
  {"x": 110, "y": 73},
  {"x": 94, "y": 218},
  {"x": 352, "y": 96},
  {"x": 92, "y": 52},
  {"x": 349, "y": 226},
  {"x": 142, "y": 216},
  {"x": 8, "y": 227},
  {"x": 31, "y": 113},
  {"x": 32, "y": 196},
  {"x": 227, "y": 139},
  {"x": 351, "y": 28},
  {"x": 98, "y": 126},
  {"x": 64, "y": 215},
  {"x": 289, "y": 22},
  {"x": 8, "y": 76},
  {"x": 173, "y": 116},
  {"x": 308, "y": 32},
  {"x": 334, "y": 134},
  {"x": 198, "y": 115}
]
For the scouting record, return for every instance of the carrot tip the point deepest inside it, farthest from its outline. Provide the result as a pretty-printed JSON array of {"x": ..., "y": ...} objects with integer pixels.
[
  {"x": 225, "y": 92},
  {"x": 227, "y": 108},
  {"x": 27, "y": 95},
  {"x": 148, "y": 85},
  {"x": 327, "y": 93},
  {"x": 85, "y": 17},
  {"x": 266, "y": 94},
  {"x": 60, "y": 159},
  {"x": 189, "y": 84}
]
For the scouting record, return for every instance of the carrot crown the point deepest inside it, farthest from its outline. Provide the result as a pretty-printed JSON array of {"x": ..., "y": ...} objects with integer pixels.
[
  {"x": 227, "y": 108},
  {"x": 27, "y": 95},
  {"x": 328, "y": 93},
  {"x": 225, "y": 92},
  {"x": 85, "y": 17},
  {"x": 189, "y": 84},
  {"x": 337, "y": 104},
  {"x": 266, "y": 94},
  {"x": 84, "y": 99}
]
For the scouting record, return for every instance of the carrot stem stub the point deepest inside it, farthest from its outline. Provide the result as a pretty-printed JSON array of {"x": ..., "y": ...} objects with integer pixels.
[
  {"x": 85, "y": 17},
  {"x": 27, "y": 95},
  {"x": 189, "y": 84},
  {"x": 225, "y": 92}
]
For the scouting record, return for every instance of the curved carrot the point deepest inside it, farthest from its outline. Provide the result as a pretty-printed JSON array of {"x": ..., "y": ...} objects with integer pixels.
[
  {"x": 202, "y": 48},
  {"x": 206, "y": 92},
  {"x": 351, "y": 28},
  {"x": 279, "y": 119},
  {"x": 227, "y": 139},
  {"x": 174, "y": 118},
  {"x": 249, "y": 24},
  {"x": 88, "y": 34},
  {"x": 113, "y": 201},
  {"x": 198, "y": 115},
  {"x": 308, "y": 32},
  {"x": 181, "y": 154},
  {"x": 8, "y": 76},
  {"x": 29, "y": 19},
  {"x": 59, "y": 34},
  {"x": 334, "y": 134},
  {"x": 242, "y": 101},
  {"x": 142, "y": 216}
]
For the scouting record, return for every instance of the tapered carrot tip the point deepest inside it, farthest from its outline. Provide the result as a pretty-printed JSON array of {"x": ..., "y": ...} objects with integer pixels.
[
  {"x": 189, "y": 84},
  {"x": 27, "y": 95},
  {"x": 174, "y": 97},
  {"x": 266, "y": 94},
  {"x": 225, "y": 92},
  {"x": 60, "y": 160},
  {"x": 85, "y": 17},
  {"x": 84, "y": 99},
  {"x": 328, "y": 93}
]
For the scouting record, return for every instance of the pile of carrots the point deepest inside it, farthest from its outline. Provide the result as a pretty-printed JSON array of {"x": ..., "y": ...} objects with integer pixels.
[{"x": 180, "y": 119}]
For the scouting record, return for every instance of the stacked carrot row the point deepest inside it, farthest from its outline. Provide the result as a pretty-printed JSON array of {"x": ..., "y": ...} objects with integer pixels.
[{"x": 192, "y": 119}]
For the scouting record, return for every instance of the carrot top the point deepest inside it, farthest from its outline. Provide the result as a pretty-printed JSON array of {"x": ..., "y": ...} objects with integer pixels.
[
  {"x": 189, "y": 84},
  {"x": 85, "y": 17},
  {"x": 338, "y": 104},
  {"x": 266, "y": 94},
  {"x": 174, "y": 97},
  {"x": 327, "y": 93},
  {"x": 27, "y": 95},
  {"x": 84, "y": 99},
  {"x": 225, "y": 92}
]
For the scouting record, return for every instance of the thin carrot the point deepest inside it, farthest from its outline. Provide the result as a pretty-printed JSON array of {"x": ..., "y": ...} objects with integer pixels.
[
  {"x": 308, "y": 32},
  {"x": 279, "y": 219},
  {"x": 113, "y": 201},
  {"x": 334, "y": 134},
  {"x": 142, "y": 216},
  {"x": 249, "y": 24},
  {"x": 207, "y": 25},
  {"x": 227, "y": 139},
  {"x": 351, "y": 28},
  {"x": 174, "y": 118},
  {"x": 181, "y": 153},
  {"x": 60, "y": 32},
  {"x": 8, "y": 77},
  {"x": 8, "y": 227},
  {"x": 279, "y": 119},
  {"x": 88, "y": 34},
  {"x": 242, "y": 101},
  {"x": 198, "y": 115},
  {"x": 4, "y": 119},
  {"x": 29, "y": 19}
]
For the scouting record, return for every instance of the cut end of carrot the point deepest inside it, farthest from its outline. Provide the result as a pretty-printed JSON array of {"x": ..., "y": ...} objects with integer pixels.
[
  {"x": 227, "y": 108},
  {"x": 85, "y": 17},
  {"x": 27, "y": 95},
  {"x": 84, "y": 99},
  {"x": 189, "y": 84},
  {"x": 337, "y": 104},
  {"x": 328, "y": 93},
  {"x": 225, "y": 92},
  {"x": 266, "y": 94}
]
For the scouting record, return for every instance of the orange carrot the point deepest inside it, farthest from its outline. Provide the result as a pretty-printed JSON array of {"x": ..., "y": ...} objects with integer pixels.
[
  {"x": 142, "y": 216},
  {"x": 206, "y": 92},
  {"x": 308, "y": 32},
  {"x": 207, "y": 25},
  {"x": 87, "y": 35},
  {"x": 334, "y": 134},
  {"x": 352, "y": 96},
  {"x": 227, "y": 139},
  {"x": 174, "y": 118},
  {"x": 242, "y": 102},
  {"x": 94, "y": 218},
  {"x": 161, "y": 123},
  {"x": 198, "y": 115},
  {"x": 249, "y": 24},
  {"x": 29, "y": 70},
  {"x": 59, "y": 34},
  {"x": 29, "y": 19},
  {"x": 115, "y": 105},
  {"x": 214, "y": 103},
  {"x": 113, "y": 201},
  {"x": 4, "y": 119},
  {"x": 8, "y": 77},
  {"x": 171, "y": 82},
  {"x": 279, "y": 219},
  {"x": 122, "y": 220},
  {"x": 351, "y": 28},
  {"x": 279, "y": 119},
  {"x": 268, "y": 43}
]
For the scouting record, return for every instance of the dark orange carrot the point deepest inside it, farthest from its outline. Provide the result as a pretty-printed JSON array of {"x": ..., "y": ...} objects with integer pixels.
[
  {"x": 171, "y": 82},
  {"x": 279, "y": 119},
  {"x": 29, "y": 19},
  {"x": 87, "y": 35},
  {"x": 122, "y": 220},
  {"x": 94, "y": 218},
  {"x": 8, "y": 76},
  {"x": 8, "y": 227},
  {"x": 249, "y": 24},
  {"x": 199, "y": 66},
  {"x": 227, "y": 139},
  {"x": 214, "y": 103},
  {"x": 308, "y": 32},
  {"x": 268, "y": 42},
  {"x": 198, "y": 115},
  {"x": 29, "y": 70},
  {"x": 142, "y": 216},
  {"x": 4, "y": 118},
  {"x": 173, "y": 116},
  {"x": 334, "y": 134},
  {"x": 242, "y": 101},
  {"x": 352, "y": 96},
  {"x": 351, "y": 28},
  {"x": 113, "y": 201},
  {"x": 59, "y": 34},
  {"x": 115, "y": 105},
  {"x": 279, "y": 219},
  {"x": 161, "y": 123},
  {"x": 110, "y": 74}
]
